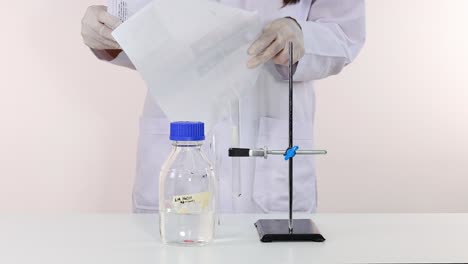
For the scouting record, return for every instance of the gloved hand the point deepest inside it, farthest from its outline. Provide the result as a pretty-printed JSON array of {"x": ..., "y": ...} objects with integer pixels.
[
  {"x": 96, "y": 28},
  {"x": 273, "y": 43}
]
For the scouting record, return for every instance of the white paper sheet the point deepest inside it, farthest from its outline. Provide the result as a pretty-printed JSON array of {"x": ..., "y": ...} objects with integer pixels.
[
  {"x": 124, "y": 9},
  {"x": 192, "y": 55}
]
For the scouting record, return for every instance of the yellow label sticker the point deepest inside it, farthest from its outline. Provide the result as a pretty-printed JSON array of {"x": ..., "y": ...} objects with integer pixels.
[{"x": 199, "y": 200}]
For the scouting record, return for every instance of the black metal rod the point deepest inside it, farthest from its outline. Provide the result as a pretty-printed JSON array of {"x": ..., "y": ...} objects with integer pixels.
[{"x": 291, "y": 64}]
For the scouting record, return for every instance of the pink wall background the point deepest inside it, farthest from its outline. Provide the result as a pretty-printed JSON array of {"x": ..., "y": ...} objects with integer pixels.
[{"x": 395, "y": 122}]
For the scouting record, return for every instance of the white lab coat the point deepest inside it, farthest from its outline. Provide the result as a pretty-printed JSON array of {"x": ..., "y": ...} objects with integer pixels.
[{"x": 334, "y": 32}]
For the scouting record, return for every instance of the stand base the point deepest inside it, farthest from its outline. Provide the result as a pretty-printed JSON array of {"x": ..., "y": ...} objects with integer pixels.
[{"x": 271, "y": 230}]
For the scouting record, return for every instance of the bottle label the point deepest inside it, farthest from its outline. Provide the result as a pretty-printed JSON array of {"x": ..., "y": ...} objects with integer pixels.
[{"x": 191, "y": 203}]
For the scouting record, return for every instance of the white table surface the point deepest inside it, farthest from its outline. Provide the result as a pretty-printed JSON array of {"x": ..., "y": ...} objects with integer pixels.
[{"x": 351, "y": 238}]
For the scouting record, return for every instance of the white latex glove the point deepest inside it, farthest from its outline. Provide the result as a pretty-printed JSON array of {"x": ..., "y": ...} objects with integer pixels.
[
  {"x": 273, "y": 43},
  {"x": 96, "y": 28}
]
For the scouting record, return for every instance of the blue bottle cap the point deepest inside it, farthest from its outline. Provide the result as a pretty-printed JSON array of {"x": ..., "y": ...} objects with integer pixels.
[{"x": 187, "y": 131}]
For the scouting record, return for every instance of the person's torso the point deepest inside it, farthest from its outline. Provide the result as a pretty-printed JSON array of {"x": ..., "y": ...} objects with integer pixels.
[{"x": 263, "y": 113}]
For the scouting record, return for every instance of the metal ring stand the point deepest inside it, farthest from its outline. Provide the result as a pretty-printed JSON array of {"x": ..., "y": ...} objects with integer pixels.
[{"x": 290, "y": 229}]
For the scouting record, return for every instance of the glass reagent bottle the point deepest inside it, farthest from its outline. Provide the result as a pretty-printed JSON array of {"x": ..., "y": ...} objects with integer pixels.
[{"x": 187, "y": 189}]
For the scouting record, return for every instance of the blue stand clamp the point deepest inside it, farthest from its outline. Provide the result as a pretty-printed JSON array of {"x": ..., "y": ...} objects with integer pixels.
[{"x": 290, "y": 153}]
